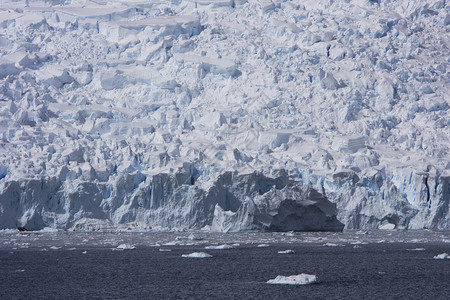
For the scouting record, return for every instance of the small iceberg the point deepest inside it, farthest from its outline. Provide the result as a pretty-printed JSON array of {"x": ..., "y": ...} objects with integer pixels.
[
  {"x": 289, "y": 251},
  {"x": 193, "y": 237},
  {"x": 442, "y": 256},
  {"x": 125, "y": 247},
  {"x": 289, "y": 233},
  {"x": 294, "y": 279},
  {"x": 333, "y": 245},
  {"x": 197, "y": 255},
  {"x": 47, "y": 230},
  {"x": 219, "y": 247},
  {"x": 263, "y": 245}
]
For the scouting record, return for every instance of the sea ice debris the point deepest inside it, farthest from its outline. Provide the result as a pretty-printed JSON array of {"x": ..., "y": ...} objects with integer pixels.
[
  {"x": 301, "y": 279},
  {"x": 197, "y": 255},
  {"x": 288, "y": 251},
  {"x": 126, "y": 247},
  {"x": 442, "y": 256},
  {"x": 219, "y": 247}
]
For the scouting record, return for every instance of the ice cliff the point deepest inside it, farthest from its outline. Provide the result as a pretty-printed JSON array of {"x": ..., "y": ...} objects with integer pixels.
[{"x": 229, "y": 115}]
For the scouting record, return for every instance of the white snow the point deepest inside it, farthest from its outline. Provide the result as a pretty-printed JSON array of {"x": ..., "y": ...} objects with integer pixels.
[
  {"x": 115, "y": 110},
  {"x": 197, "y": 255},
  {"x": 301, "y": 279}
]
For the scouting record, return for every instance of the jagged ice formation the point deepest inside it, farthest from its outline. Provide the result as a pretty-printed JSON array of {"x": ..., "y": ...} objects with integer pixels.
[{"x": 234, "y": 115}]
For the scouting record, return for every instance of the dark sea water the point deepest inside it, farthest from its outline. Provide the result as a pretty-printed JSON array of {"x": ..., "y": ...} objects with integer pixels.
[{"x": 369, "y": 271}]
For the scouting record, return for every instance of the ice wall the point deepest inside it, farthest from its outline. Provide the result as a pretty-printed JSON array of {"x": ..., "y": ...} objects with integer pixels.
[
  {"x": 138, "y": 111},
  {"x": 170, "y": 201}
]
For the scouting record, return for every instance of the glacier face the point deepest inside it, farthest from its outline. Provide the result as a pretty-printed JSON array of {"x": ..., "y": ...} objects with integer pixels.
[{"x": 228, "y": 114}]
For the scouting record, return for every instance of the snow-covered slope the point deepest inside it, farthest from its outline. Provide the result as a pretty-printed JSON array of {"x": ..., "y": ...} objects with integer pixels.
[{"x": 188, "y": 113}]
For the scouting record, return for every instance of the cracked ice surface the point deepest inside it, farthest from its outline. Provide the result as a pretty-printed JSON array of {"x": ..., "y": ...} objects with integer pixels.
[{"x": 134, "y": 110}]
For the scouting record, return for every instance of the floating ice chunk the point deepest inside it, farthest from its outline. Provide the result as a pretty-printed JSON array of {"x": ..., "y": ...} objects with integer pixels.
[
  {"x": 8, "y": 231},
  {"x": 126, "y": 247},
  {"x": 289, "y": 233},
  {"x": 55, "y": 248},
  {"x": 173, "y": 243},
  {"x": 442, "y": 256},
  {"x": 48, "y": 230},
  {"x": 387, "y": 226},
  {"x": 359, "y": 243},
  {"x": 294, "y": 279},
  {"x": 192, "y": 237},
  {"x": 416, "y": 249},
  {"x": 333, "y": 245},
  {"x": 263, "y": 245},
  {"x": 219, "y": 247},
  {"x": 197, "y": 255},
  {"x": 165, "y": 250},
  {"x": 289, "y": 251}
]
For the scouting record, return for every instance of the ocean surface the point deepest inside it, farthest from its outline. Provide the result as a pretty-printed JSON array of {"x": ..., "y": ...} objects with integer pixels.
[{"x": 348, "y": 266}]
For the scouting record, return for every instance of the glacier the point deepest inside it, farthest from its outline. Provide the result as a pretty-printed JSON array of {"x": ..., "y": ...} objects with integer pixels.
[{"x": 226, "y": 115}]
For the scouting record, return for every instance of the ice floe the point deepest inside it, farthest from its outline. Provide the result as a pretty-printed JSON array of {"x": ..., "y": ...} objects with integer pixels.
[
  {"x": 442, "y": 256},
  {"x": 197, "y": 255},
  {"x": 219, "y": 247},
  {"x": 301, "y": 279},
  {"x": 288, "y": 251},
  {"x": 125, "y": 247}
]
